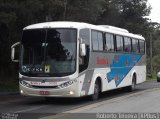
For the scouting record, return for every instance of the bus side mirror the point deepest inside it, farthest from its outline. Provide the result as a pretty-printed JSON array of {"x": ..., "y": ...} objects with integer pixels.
[
  {"x": 82, "y": 49},
  {"x": 15, "y": 52}
]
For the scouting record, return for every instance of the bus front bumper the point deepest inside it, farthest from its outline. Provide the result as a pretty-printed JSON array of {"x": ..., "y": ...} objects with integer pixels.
[{"x": 70, "y": 91}]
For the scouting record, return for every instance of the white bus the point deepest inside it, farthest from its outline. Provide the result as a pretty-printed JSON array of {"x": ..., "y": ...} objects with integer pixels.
[{"x": 74, "y": 59}]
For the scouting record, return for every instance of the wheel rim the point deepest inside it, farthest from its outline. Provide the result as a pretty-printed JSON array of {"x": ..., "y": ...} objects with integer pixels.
[
  {"x": 133, "y": 83},
  {"x": 96, "y": 91}
]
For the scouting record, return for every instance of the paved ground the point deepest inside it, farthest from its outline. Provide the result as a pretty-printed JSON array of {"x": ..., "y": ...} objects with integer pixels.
[{"x": 144, "y": 99}]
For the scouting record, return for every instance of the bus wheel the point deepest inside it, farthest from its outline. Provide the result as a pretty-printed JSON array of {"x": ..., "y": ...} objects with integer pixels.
[
  {"x": 133, "y": 86},
  {"x": 95, "y": 96}
]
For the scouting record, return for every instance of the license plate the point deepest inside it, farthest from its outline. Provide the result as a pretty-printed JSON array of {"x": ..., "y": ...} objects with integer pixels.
[{"x": 44, "y": 92}]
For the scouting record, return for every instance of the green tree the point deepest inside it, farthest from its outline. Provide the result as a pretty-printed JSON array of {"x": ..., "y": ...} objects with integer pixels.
[
  {"x": 7, "y": 20},
  {"x": 84, "y": 10},
  {"x": 128, "y": 14}
]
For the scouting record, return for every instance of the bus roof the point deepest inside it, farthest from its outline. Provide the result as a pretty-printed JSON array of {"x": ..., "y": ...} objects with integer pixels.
[{"x": 81, "y": 25}]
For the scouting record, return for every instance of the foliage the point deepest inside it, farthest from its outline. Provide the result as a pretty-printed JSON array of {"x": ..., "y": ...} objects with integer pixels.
[{"x": 156, "y": 62}]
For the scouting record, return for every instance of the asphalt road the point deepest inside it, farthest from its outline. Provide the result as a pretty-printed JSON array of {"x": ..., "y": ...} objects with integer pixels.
[{"x": 144, "y": 99}]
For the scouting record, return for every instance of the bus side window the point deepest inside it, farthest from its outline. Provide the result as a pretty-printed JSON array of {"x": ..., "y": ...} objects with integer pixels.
[
  {"x": 135, "y": 45},
  {"x": 97, "y": 41},
  {"x": 100, "y": 41},
  {"x": 119, "y": 43},
  {"x": 109, "y": 42},
  {"x": 94, "y": 41},
  {"x": 127, "y": 44},
  {"x": 142, "y": 46}
]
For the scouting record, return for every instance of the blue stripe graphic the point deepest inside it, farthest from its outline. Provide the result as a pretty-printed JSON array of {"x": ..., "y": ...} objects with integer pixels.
[{"x": 121, "y": 66}]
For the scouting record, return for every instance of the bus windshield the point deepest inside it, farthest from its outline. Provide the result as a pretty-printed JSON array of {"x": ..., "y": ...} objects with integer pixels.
[{"x": 48, "y": 52}]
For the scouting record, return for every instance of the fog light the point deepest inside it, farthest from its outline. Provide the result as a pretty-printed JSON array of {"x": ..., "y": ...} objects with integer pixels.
[
  {"x": 21, "y": 91},
  {"x": 71, "y": 92}
]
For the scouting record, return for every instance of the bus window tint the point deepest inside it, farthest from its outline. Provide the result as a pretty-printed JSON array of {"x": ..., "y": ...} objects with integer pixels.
[
  {"x": 97, "y": 41},
  {"x": 109, "y": 46},
  {"x": 127, "y": 44},
  {"x": 135, "y": 46},
  {"x": 119, "y": 42},
  {"x": 142, "y": 46}
]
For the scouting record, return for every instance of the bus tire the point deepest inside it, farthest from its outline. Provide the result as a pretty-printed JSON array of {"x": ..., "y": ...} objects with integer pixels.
[
  {"x": 132, "y": 87},
  {"x": 96, "y": 93}
]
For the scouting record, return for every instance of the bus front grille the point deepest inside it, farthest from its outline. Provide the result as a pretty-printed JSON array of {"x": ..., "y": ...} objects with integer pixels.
[{"x": 51, "y": 87}]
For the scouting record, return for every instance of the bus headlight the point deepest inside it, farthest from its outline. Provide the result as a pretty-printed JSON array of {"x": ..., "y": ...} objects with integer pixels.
[
  {"x": 25, "y": 84},
  {"x": 21, "y": 92},
  {"x": 66, "y": 84},
  {"x": 71, "y": 92}
]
